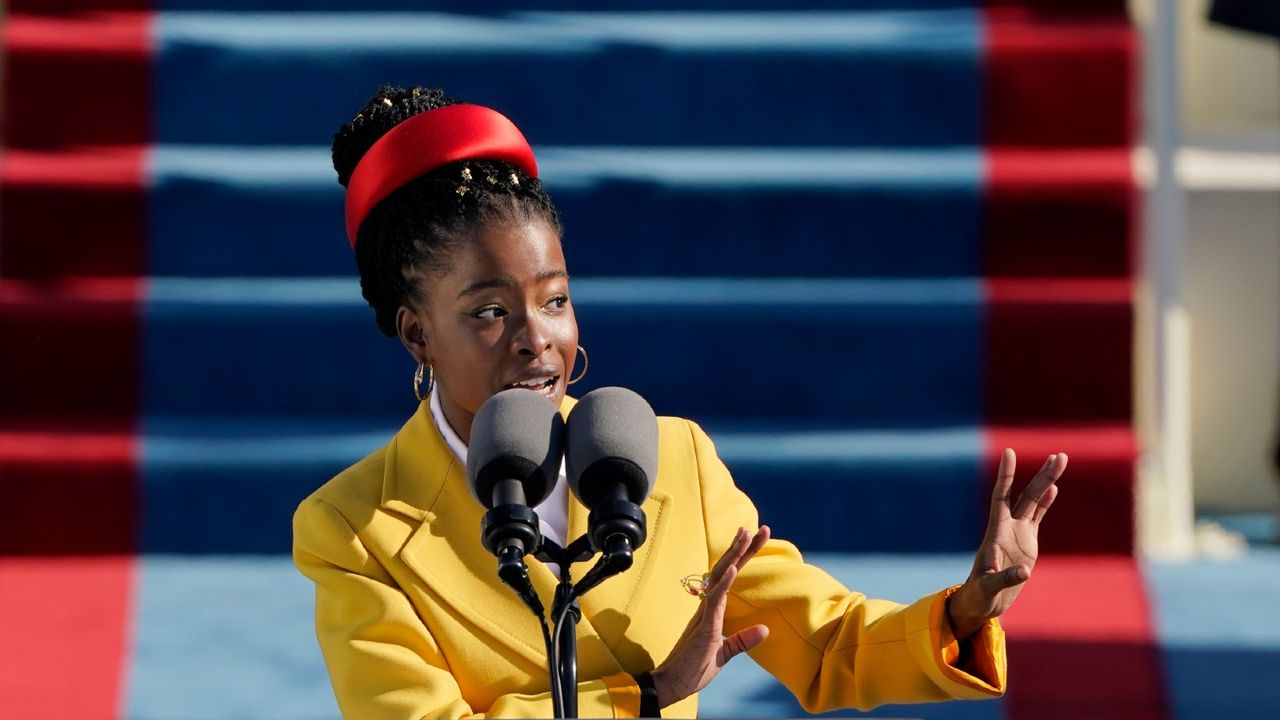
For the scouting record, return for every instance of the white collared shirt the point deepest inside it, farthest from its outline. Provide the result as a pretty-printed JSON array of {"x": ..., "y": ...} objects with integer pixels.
[{"x": 553, "y": 511}]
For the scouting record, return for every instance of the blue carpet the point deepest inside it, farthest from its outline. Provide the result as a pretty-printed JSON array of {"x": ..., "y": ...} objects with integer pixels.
[
  {"x": 656, "y": 79},
  {"x": 893, "y": 353},
  {"x": 236, "y": 211}
]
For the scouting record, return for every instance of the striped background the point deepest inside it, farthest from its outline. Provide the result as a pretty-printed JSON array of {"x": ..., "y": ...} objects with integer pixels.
[{"x": 871, "y": 242}]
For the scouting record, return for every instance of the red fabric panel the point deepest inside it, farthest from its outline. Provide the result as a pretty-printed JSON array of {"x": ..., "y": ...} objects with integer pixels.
[
  {"x": 1094, "y": 511},
  {"x": 99, "y": 62},
  {"x": 64, "y": 6},
  {"x": 1060, "y": 7},
  {"x": 89, "y": 206},
  {"x": 1066, "y": 213},
  {"x": 1058, "y": 79},
  {"x": 64, "y": 624},
  {"x": 1081, "y": 643},
  {"x": 71, "y": 351},
  {"x": 1058, "y": 351},
  {"x": 77, "y": 487}
]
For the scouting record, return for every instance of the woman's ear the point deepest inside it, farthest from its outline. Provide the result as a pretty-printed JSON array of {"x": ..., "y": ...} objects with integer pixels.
[{"x": 413, "y": 333}]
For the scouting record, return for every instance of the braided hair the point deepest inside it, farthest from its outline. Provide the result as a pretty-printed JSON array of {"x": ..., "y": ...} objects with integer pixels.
[{"x": 417, "y": 228}]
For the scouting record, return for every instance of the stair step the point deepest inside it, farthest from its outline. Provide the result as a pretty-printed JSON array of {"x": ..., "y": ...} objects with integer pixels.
[
  {"x": 825, "y": 489},
  {"x": 1110, "y": 645},
  {"x": 1212, "y": 628},
  {"x": 657, "y": 78},
  {"x": 507, "y": 6},
  {"x": 875, "y": 353},
  {"x": 244, "y": 211}
]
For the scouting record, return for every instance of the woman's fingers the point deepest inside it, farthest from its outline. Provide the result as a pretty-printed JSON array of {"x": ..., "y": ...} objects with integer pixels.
[
  {"x": 757, "y": 542},
  {"x": 1046, "y": 500},
  {"x": 730, "y": 557},
  {"x": 743, "y": 548},
  {"x": 1034, "y": 493},
  {"x": 720, "y": 588},
  {"x": 714, "y": 604},
  {"x": 1004, "y": 482}
]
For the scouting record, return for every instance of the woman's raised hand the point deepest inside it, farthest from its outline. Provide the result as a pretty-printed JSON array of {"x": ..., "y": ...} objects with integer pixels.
[
  {"x": 1009, "y": 548},
  {"x": 703, "y": 649}
]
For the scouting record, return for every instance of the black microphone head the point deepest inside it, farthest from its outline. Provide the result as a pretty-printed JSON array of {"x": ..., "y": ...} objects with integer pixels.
[
  {"x": 612, "y": 438},
  {"x": 516, "y": 435}
]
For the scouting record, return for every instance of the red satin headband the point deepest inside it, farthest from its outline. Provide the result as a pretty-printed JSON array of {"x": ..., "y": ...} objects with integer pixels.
[{"x": 425, "y": 142}]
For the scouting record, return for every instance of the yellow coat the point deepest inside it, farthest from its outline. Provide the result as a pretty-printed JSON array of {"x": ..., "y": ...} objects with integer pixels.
[{"x": 414, "y": 623}]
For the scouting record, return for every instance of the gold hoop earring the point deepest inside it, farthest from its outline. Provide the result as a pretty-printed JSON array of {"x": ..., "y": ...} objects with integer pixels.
[
  {"x": 417, "y": 381},
  {"x": 586, "y": 363}
]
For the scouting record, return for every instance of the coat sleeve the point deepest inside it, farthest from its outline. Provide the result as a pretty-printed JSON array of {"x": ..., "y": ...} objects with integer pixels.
[
  {"x": 830, "y": 647},
  {"x": 383, "y": 661}
]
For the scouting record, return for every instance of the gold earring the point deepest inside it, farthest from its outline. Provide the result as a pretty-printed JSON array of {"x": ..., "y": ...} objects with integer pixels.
[
  {"x": 417, "y": 381},
  {"x": 586, "y": 363}
]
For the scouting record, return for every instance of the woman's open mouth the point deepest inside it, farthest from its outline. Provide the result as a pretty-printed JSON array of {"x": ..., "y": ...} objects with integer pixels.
[{"x": 545, "y": 384}]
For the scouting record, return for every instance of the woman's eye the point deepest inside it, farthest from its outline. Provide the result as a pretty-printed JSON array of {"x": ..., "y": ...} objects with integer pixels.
[
  {"x": 489, "y": 313},
  {"x": 559, "y": 302}
]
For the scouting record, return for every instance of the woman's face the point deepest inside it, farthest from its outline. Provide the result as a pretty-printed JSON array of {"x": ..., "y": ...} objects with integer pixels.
[{"x": 500, "y": 317}]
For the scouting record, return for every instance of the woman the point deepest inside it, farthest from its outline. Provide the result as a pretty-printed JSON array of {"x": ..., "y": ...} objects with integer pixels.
[{"x": 458, "y": 249}]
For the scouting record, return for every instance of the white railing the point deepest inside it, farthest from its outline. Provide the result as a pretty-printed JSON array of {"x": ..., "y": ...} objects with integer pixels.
[{"x": 1163, "y": 343}]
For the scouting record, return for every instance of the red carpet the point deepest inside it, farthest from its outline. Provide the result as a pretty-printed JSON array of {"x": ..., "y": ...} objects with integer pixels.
[
  {"x": 65, "y": 635},
  {"x": 1081, "y": 643}
]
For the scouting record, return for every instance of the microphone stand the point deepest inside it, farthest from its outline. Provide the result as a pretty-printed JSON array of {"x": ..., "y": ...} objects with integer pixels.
[
  {"x": 562, "y": 649},
  {"x": 508, "y": 529}
]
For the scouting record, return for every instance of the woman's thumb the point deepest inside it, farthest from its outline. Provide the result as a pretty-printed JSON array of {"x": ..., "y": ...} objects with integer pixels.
[
  {"x": 1007, "y": 578},
  {"x": 741, "y": 642}
]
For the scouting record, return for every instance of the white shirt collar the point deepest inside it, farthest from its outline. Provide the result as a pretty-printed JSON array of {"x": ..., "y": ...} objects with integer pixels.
[{"x": 553, "y": 511}]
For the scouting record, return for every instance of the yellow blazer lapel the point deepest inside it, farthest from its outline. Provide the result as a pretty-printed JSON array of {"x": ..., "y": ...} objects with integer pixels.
[
  {"x": 425, "y": 480},
  {"x": 607, "y": 609},
  {"x": 610, "y": 605}
]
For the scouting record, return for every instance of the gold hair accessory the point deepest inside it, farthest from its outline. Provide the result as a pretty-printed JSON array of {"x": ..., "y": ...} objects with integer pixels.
[
  {"x": 586, "y": 363},
  {"x": 515, "y": 180},
  {"x": 417, "y": 381},
  {"x": 491, "y": 179},
  {"x": 417, "y": 91},
  {"x": 462, "y": 190},
  {"x": 386, "y": 101},
  {"x": 466, "y": 173},
  {"x": 696, "y": 585}
]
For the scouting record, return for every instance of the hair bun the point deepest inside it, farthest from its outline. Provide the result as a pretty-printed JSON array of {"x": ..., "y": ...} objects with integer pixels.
[{"x": 387, "y": 107}]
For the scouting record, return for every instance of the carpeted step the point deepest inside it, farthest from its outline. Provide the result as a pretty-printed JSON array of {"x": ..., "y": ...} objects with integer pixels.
[
  {"x": 180, "y": 487},
  {"x": 506, "y": 6},
  {"x": 873, "y": 353},
  {"x": 73, "y": 214},
  {"x": 1098, "y": 637},
  {"x": 61, "y": 617},
  {"x": 657, "y": 78},
  {"x": 76, "y": 484},
  {"x": 849, "y": 212},
  {"x": 71, "y": 352},
  {"x": 1072, "y": 654}
]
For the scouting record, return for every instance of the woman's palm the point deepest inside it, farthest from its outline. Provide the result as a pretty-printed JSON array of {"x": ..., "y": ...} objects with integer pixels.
[{"x": 1011, "y": 544}]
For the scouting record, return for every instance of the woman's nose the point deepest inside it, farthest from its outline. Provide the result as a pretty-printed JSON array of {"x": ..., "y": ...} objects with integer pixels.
[{"x": 533, "y": 336}]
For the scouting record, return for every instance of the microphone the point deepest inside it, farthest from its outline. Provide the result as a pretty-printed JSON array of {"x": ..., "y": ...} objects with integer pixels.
[
  {"x": 513, "y": 462},
  {"x": 612, "y": 458}
]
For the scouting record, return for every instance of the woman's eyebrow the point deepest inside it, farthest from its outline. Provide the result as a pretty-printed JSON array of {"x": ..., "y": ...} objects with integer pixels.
[
  {"x": 498, "y": 282},
  {"x": 507, "y": 282}
]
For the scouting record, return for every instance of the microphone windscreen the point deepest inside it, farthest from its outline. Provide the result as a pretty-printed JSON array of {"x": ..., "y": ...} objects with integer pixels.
[
  {"x": 516, "y": 435},
  {"x": 612, "y": 438}
]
